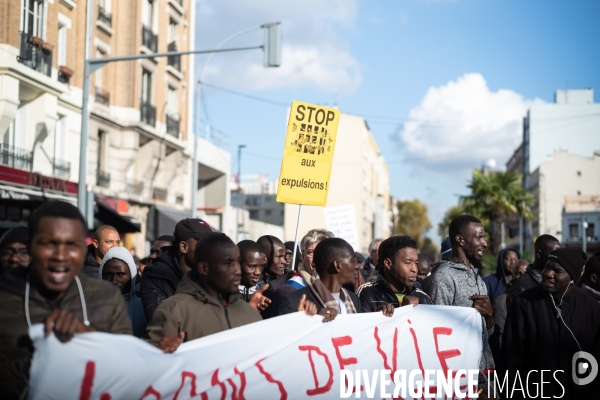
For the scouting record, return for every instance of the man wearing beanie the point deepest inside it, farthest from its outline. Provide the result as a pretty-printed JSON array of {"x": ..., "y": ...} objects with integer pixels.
[
  {"x": 13, "y": 249},
  {"x": 160, "y": 279},
  {"x": 547, "y": 325},
  {"x": 118, "y": 268}
]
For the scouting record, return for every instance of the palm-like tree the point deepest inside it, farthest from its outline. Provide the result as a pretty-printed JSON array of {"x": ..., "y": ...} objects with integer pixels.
[{"x": 494, "y": 196}]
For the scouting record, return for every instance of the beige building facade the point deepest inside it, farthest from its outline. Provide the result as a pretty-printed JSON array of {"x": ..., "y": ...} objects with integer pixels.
[
  {"x": 139, "y": 149},
  {"x": 360, "y": 177}
]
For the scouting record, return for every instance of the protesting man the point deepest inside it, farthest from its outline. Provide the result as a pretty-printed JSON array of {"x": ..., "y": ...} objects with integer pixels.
[
  {"x": 274, "y": 249},
  {"x": 336, "y": 265},
  {"x": 160, "y": 279},
  {"x": 118, "y": 268},
  {"x": 252, "y": 263},
  {"x": 106, "y": 237},
  {"x": 370, "y": 267},
  {"x": 424, "y": 267},
  {"x": 13, "y": 249},
  {"x": 207, "y": 300},
  {"x": 159, "y": 244},
  {"x": 396, "y": 283},
  {"x": 543, "y": 246},
  {"x": 52, "y": 291},
  {"x": 590, "y": 280},
  {"x": 456, "y": 282},
  {"x": 496, "y": 283},
  {"x": 547, "y": 325}
]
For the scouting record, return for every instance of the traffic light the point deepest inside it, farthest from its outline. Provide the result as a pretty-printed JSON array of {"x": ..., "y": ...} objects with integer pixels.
[{"x": 272, "y": 44}]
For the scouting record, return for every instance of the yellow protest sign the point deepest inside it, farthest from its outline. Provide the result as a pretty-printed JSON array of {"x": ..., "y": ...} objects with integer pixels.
[{"x": 308, "y": 154}]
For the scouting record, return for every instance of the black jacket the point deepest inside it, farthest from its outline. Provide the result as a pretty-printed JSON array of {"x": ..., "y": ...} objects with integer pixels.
[
  {"x": 90, "y": 266},
  {"x": 377, "y": 293},
  {"x": 289, "y": 304},
  {"x": 528, "y": 280},
  {"x": 536, "y": 339},
  {"x": 160, "y": 280},
  {"x": 275, "y": 283}
]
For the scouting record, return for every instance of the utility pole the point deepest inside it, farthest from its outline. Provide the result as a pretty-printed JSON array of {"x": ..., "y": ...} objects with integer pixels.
[{"x": 239, "y": 190}]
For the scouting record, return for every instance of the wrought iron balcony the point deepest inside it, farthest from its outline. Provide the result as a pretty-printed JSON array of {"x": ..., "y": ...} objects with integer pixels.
[
  {"x": 104, "y": 16},
  {"x": 61, "y": 169},
  {"x": 102, "y": 96},
  {"x": 148, "y": 113},
  {"x": 174, "y": 61},
  {"x": 102, "y": 178},
  {"x": 149, "y": 39},
  {"x": 173, "y": 125},
  {"x": 15, "y": 157},
  {"x": 35, "y": 54},
  {"x": 134, "y": 187}
]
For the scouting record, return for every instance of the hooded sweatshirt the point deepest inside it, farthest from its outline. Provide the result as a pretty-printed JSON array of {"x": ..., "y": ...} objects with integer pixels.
[
  {"x": 451, "y": 284},
  {"x": 496, "y": 283},
  {"x": 135, "y": 309},
  {"x": 197, "y": 313}
]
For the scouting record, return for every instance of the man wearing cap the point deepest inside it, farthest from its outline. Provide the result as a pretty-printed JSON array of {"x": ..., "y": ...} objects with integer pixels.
[
  {"x": 547, "y": 325},
  {"x": 160, "y": 279},
  {"x": 13, "y": 249}
]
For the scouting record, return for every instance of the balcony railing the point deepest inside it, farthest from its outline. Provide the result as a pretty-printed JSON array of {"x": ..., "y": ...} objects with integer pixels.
[
  {"x": 134, "y": 187},
  {"x": 148, "y": 113},
  {"x": 33, "y": 54},
  {"x": 173, "y": 126},
  {"x": 102, "y": 96},
  {"x": 104, "y": 16},
  {"x": 174, "y": 61},
  {"x": 61, "y": 169},
  {"x": 102, "y": 178},
  {"x": 15, "y": 157},
  {"x": 149, "y": 39}
]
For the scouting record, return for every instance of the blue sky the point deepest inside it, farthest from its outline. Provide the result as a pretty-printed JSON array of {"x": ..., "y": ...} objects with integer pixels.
[{"x": 443, "y": 84}]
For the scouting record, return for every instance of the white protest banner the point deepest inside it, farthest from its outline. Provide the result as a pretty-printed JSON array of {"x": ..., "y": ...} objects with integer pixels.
[
  {"x": 288, "y": 357},
  {"x": 341, "y": 221}
]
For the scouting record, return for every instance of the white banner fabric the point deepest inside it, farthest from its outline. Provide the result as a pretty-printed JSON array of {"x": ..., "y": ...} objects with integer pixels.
[{"x": 290, "y": 357}]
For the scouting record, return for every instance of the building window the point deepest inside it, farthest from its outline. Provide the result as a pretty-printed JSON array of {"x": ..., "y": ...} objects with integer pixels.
[
  {"x": 254, "y": 214},
  {"x": 172, "y": 32},
  {"x": 62, "y": 45},
  {"x": 98, "y": 73},
  {"x": 573, "y": 231},
  {"x": 148, "y": 14},
  {"x": 146, "y": 86},
  {"x": 172, "y": 103},
  {"x": 268, "y": 213},
  {"x": 33, "y": 17},
  {"x": 589, "y": 231}
]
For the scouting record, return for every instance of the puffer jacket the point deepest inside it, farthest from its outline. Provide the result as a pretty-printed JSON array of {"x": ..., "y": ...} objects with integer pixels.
[
  {"x": 90, "y": 265},
  {"x": 374, "y": 294},
  {"x": 105, "y": 309},
  {"x": 451, "y": 284},
  {"x": 198, "y": 314}
]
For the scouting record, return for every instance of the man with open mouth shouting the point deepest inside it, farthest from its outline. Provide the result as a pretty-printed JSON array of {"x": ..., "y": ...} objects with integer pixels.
[{"x": 51, "y": 291}]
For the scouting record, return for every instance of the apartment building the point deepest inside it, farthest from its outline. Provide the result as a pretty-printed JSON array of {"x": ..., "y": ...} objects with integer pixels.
[{"x": 139, "y": 153}]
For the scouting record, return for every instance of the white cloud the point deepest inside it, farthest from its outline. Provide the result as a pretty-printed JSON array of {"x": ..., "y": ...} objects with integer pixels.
[
  {"x": 462, "y": 124},
  {"x": 313, "y": 54}
]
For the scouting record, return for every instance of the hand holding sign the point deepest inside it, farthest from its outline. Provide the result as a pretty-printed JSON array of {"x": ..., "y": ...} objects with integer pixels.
[{"x": 169, "y": 343}]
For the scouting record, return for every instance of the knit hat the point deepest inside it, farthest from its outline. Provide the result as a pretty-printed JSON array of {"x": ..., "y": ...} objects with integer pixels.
[
  {"x": 20, "y": 234},
  {"x": 120, "y": 253},
  {"x": 190, "y": 227},
  {"x": 572, "y": 260}
]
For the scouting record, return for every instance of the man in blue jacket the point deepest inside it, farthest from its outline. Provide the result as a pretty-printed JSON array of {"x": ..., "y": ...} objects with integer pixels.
[{"x": 496, "y": 283}]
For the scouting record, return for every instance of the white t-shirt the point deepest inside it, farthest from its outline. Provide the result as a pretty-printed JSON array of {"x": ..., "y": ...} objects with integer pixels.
[{"x": 341, "y": 303}]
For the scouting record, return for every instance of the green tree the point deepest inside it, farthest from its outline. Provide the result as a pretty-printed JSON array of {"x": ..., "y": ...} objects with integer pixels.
[
  {"x": 444, "y": 224},
  {"x": 494, "y": 196},
  {"x": 412, "y": 219}
]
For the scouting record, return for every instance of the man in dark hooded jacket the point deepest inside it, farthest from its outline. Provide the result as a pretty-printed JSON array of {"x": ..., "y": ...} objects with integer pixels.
[
  {"x": 543, "y": 246},
  {"x": 590, "y": 280},
  {"x": 161, "y": 278},
  {"x": 496, "y": 283},
  {"x": 547, "y": 325}
]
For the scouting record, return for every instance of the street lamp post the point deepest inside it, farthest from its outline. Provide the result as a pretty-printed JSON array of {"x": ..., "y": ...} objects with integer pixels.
[
  {"x": 240, "y": 197},
  {"x": 272, "y": 59}
]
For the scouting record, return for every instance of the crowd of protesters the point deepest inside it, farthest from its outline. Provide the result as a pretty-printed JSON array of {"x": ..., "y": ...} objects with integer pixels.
[{"x": 198, "y": 282}]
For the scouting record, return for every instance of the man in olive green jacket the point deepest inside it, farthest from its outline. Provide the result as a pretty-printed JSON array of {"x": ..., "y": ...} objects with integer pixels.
[
  {"x": 52, "y": 291},
  {"x": 207, "y": 300}
]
